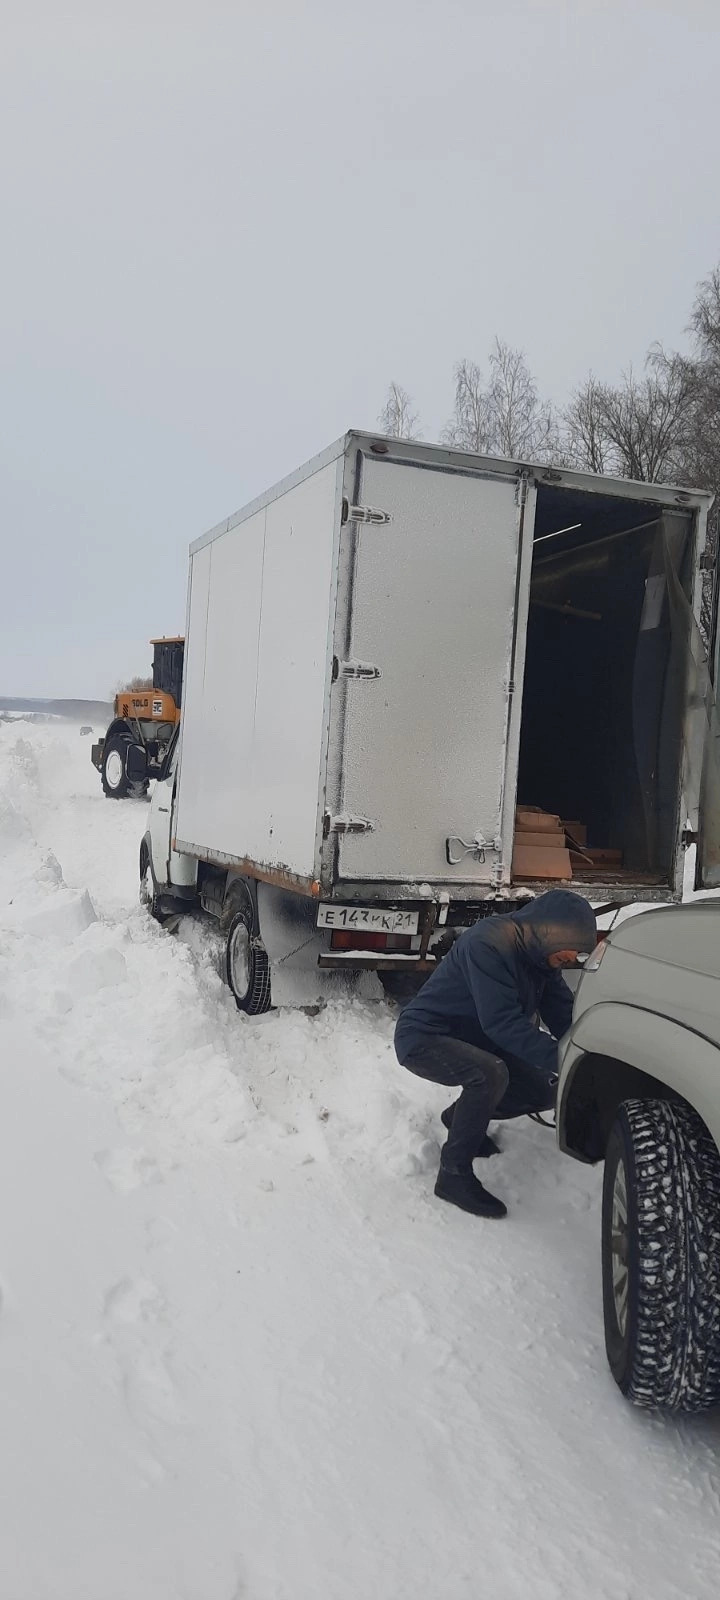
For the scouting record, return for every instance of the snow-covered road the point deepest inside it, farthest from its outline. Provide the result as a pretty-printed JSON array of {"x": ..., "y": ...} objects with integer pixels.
[{"x": 243, "y": 1351}]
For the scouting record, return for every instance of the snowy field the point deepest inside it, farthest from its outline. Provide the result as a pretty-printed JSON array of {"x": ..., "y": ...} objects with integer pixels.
[{"x": 244, "y": 1353}]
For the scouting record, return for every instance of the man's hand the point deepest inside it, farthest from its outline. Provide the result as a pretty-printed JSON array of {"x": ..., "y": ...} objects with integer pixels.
[{"x": 548, "y": 1077}]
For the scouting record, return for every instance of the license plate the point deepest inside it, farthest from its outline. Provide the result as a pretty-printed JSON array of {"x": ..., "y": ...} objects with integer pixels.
[{"x": 369, "y": 919}]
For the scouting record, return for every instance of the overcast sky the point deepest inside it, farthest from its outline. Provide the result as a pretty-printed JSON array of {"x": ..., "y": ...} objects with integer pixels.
[{"x": 226, "y": 227}]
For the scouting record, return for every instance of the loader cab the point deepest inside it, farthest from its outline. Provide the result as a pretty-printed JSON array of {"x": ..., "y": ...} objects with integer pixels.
[{"x": 168, "y": 660}]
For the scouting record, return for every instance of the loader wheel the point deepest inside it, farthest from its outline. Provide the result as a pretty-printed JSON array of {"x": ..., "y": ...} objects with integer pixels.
[
  {"x": 661, "y": 1256},
  {"x": 247, "y": 966},
  {"x": 113, "y": 774}
]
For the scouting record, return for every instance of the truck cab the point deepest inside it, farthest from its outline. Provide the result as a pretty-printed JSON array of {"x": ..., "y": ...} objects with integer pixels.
[{"x": 168, "y": 879}]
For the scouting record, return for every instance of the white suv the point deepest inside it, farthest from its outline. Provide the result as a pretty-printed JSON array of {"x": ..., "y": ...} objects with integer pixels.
[{"x": 640, "y": 1089}]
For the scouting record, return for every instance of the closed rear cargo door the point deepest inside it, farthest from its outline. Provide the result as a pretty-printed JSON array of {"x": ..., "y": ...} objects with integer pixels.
[{"x": 433, "y": 603}]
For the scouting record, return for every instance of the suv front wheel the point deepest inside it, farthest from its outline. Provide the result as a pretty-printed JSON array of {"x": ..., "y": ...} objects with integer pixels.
[{"x": 661, "y": 1256}]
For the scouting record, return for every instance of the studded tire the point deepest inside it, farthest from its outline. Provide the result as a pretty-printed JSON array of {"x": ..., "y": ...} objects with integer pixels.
[
  {"x": 661, "y": 1256},
  {"x": 247, "y": 966}
]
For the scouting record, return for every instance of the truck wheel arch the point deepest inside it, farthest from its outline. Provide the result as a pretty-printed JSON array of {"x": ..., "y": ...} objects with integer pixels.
[
  {"x": 240, "y": 895},
  {"x": 619, "y": 1052}
]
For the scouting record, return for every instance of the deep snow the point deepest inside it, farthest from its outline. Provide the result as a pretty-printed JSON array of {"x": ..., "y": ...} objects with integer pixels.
[{"x": 243, "y": 1351}]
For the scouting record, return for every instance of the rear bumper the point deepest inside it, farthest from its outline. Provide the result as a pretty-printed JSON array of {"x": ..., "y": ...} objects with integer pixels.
[{"x": 340, "y": 961}]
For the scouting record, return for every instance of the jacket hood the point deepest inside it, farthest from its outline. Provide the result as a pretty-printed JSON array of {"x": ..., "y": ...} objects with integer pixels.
[{"x": 558, "y": 920}]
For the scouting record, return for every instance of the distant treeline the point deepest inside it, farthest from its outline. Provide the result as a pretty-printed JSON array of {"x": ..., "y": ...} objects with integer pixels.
[{"x": 99, "y": 711}]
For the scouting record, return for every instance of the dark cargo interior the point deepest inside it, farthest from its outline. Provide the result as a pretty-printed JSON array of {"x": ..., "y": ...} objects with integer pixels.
[{"x": 604, "y": 685}]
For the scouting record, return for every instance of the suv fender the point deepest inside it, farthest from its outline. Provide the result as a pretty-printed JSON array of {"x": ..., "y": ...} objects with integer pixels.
[{"x": 615, "y": 1052}]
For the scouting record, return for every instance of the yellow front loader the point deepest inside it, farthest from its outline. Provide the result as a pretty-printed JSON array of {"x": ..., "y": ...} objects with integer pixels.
[{"x": 144, "y": 718}]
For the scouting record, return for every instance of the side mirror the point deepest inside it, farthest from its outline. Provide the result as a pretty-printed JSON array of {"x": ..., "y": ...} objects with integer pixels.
[{"x": 136, "y": 763}]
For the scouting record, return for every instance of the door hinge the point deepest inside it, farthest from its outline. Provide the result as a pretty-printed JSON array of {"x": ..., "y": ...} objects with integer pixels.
[
  {"x": 354, "y": 669},
  {"x": 346, "y": 824},
  {"x": 352, "y": 513},
  {"x": 688, "y": 837}
]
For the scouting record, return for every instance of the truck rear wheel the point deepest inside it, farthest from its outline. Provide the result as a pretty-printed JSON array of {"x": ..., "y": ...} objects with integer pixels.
[
  {"x": 661, "y": 1256},
  {"x": 148, "y": 892},
  {"x": 247, "y": 966}
]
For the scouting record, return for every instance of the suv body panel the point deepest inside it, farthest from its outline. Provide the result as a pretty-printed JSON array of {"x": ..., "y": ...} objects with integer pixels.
[{"x": 653, "y": 1005}]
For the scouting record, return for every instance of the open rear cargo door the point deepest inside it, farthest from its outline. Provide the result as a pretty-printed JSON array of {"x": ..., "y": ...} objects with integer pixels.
[
  {"x": 435, "y": 601},
  {"x": 707, "y": 870},
  {"x": 707, "y": 874}
]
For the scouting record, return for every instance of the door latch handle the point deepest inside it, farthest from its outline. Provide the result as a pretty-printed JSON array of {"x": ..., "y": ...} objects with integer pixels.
[{"x": 476, "y": 848}]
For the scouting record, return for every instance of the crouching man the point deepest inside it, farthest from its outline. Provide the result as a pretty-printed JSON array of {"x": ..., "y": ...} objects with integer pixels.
[{"x": 476, "y": 1023}]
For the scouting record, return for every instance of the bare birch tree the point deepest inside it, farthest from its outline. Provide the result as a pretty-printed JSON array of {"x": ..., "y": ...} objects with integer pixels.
[
  {"x": 523, "y": 426},
  {"x": 502, "y": 415},
  {"x": 469, "y": 427},
  {"x": 702, "y": 466},
  {"x": 639, "y": 428},
  {"x": 705, "y": 318},
  {"x": 586, "y": 442},
  {"x": 397, "y": 418},
  {"x": 704, "y": 456}
]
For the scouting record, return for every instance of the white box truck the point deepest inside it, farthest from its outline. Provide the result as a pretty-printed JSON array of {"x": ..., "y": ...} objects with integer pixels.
[{"x": 385, "y": 653}]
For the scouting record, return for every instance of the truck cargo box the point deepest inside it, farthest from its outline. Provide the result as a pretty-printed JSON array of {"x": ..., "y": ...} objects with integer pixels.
[{"x": 400, "y": 642}]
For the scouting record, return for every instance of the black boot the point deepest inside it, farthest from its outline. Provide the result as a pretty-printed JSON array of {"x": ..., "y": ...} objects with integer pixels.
[
  {"x": 463, "y": 1189},
  {"x": 487, "y": 1147}
]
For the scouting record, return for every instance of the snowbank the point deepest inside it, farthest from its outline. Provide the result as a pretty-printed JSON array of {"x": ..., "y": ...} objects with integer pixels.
[{"x": 243, "y": 1352}]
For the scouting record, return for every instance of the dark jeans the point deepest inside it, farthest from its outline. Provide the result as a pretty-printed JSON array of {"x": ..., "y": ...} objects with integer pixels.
[
  {"x": 492, "y": 1086},
  {"x": 484, "y": 1080}
]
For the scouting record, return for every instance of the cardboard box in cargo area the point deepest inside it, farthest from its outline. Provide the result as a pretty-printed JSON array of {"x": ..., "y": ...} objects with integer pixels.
[
  {"x": 528, "y": 818},
  {"x": 544, "y": 841},
  {"x": 540, "y": 861},
  {"x": 539, "y": 849}
]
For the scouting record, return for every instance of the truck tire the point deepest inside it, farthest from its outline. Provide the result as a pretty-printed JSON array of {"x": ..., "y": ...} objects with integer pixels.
[
  {"x": 247, "y": 966},
  {"x": 661, "y": 1256},
  {"x": 148, "y": 892}
]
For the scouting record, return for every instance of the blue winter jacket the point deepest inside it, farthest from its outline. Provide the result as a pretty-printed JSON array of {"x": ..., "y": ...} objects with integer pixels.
[{"x": 495, "y": 982}]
